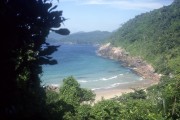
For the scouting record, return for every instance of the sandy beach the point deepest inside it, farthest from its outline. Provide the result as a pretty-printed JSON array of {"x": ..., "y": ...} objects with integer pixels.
[
  {"x": 139, "y": 66},
  {"x": 108, "y": 94},
  {"x": 122, "y": 89},
  {"x": 117, "y": 91},
  {"x": 136, "y": 64}
]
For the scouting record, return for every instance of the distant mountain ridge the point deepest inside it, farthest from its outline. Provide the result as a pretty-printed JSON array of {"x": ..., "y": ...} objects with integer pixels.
[
  {"x": 94, "y": 37},
  {"x": 155, "y": 36}
]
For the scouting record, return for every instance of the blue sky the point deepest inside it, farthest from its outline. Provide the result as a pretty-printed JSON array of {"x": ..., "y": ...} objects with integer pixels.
[{"x": 104, "y": 15}]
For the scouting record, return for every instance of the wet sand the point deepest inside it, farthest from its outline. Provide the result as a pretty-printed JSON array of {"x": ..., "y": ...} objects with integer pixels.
[
  {"x": 136, "y": 64},
  {"x": 122, "y": 89}
]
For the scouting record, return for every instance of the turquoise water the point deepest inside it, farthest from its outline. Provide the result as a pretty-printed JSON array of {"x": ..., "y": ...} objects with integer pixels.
[{"x": 90, "y": 70}]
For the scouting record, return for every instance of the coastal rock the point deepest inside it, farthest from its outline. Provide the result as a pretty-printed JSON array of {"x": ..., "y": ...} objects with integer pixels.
[
  {"x": 137, "y": 64},
  {"x": 52, "y": 88}
]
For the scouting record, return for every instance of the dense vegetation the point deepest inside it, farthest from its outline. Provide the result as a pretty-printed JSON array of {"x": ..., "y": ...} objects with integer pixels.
[
  {"x": 94, "y": 37},
  {"x": 155, "y": 37},
  {"x": 156, "y": 103},
  {"x": 24, "y": 26},
  {"x": 70, "y": 102},
  {"x": 26, "y": 23}
]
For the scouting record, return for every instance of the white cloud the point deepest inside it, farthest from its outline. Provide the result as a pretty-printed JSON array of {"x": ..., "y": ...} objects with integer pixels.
[
  {"x": 128, "y": 4},
  {"x": 123, "y": 4}
]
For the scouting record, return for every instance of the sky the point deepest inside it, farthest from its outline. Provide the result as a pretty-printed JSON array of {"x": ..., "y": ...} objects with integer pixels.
[{"x": 103, "y": 15}]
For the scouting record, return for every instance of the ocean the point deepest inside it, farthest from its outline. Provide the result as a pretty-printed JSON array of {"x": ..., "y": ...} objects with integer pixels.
[{"x": 89, "y": 69}]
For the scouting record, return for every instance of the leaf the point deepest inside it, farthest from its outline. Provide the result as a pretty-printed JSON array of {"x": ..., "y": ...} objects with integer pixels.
[
  {"x": 49, "y": 50},
  {"x": 43, "y": 60},
  {"x": 53, "y": 8},
  {"x": 63, "y": 31},
  {"x": 47, "y": 6}
]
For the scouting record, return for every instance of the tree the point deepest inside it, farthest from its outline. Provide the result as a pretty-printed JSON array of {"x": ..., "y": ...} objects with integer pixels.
[
  {"x": 70, "y": 103},
  {"x": 170, "y": 97},
  {"x": 25, "y": 25},
  {"x": 71, "y": 93},
  {"x": 154, "y": 36},
  {"x": 107, "y": 110}
]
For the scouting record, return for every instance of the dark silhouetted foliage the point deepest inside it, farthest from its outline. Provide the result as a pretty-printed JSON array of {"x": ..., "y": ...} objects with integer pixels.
[{"x": 25, "y": 25}]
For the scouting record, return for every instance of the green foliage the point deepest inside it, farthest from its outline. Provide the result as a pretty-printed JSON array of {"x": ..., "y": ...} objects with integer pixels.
[
  {"x": 140, "y": 110},
  {"x": 166, "y": 96},
  {"x": 87, "y": 95},
  {"x": 58, "y": 109},
  {"x": 158, "y": 102},
  {"x": 82, "y": 113},
  {"x": 153, "y": 36},
  {"x": 51, "y": 96},
  {"x": 170, "y": 103},
  {"x": 138, "y": 105},
  {"x": 71, "y": 92},
  {"x": 72, "y": 102},
  {"x": 137, "y": 94},
  {"x": 25, "y": 25},
  {"x": 107, "y": 110}
]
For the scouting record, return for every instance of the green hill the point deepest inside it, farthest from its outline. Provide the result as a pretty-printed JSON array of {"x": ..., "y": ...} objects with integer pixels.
[
  {"x": 155, "y": 36},
  {"x": 94, "y": 37}
]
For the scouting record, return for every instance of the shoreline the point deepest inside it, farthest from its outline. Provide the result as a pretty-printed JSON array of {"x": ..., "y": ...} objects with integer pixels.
[
  {"x": 136, "y": 64},
  {"x": 122, "y": 89},
  {"x": 110, "y": 93},
  {"x": 113, "y": 92}
]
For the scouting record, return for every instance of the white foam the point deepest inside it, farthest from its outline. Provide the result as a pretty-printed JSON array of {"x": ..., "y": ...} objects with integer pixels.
[
  {"x": 96, "y": 88},
  {"x": 115, "y": 85},
  {"x": 121, "y": 74},
  {"x": 105, "y": 79},
  {"x": 111, "y": 86},
  {"x": 140, "y": 78},
  {"x": 82, "y": 81},
  {"x": 95, "y": 80}
]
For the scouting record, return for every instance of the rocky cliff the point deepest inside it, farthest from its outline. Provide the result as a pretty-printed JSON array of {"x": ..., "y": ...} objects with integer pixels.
[{"x": 136, "y": 63}]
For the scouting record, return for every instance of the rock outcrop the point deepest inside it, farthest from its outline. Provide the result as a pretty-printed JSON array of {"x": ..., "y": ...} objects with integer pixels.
[
  {"x": 52, "y": 88},
  {"x": 138, "y": 65}
]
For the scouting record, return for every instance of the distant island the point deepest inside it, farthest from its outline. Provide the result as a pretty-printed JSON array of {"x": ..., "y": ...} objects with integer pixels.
[{"x": 94, "y": 37}]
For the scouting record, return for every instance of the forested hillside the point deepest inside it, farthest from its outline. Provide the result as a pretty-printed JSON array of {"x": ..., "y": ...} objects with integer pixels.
[
  {"x": 155, "y": 36},
  {"x": 94, "y": 37},
  {"x": 26, "y": 24}
]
